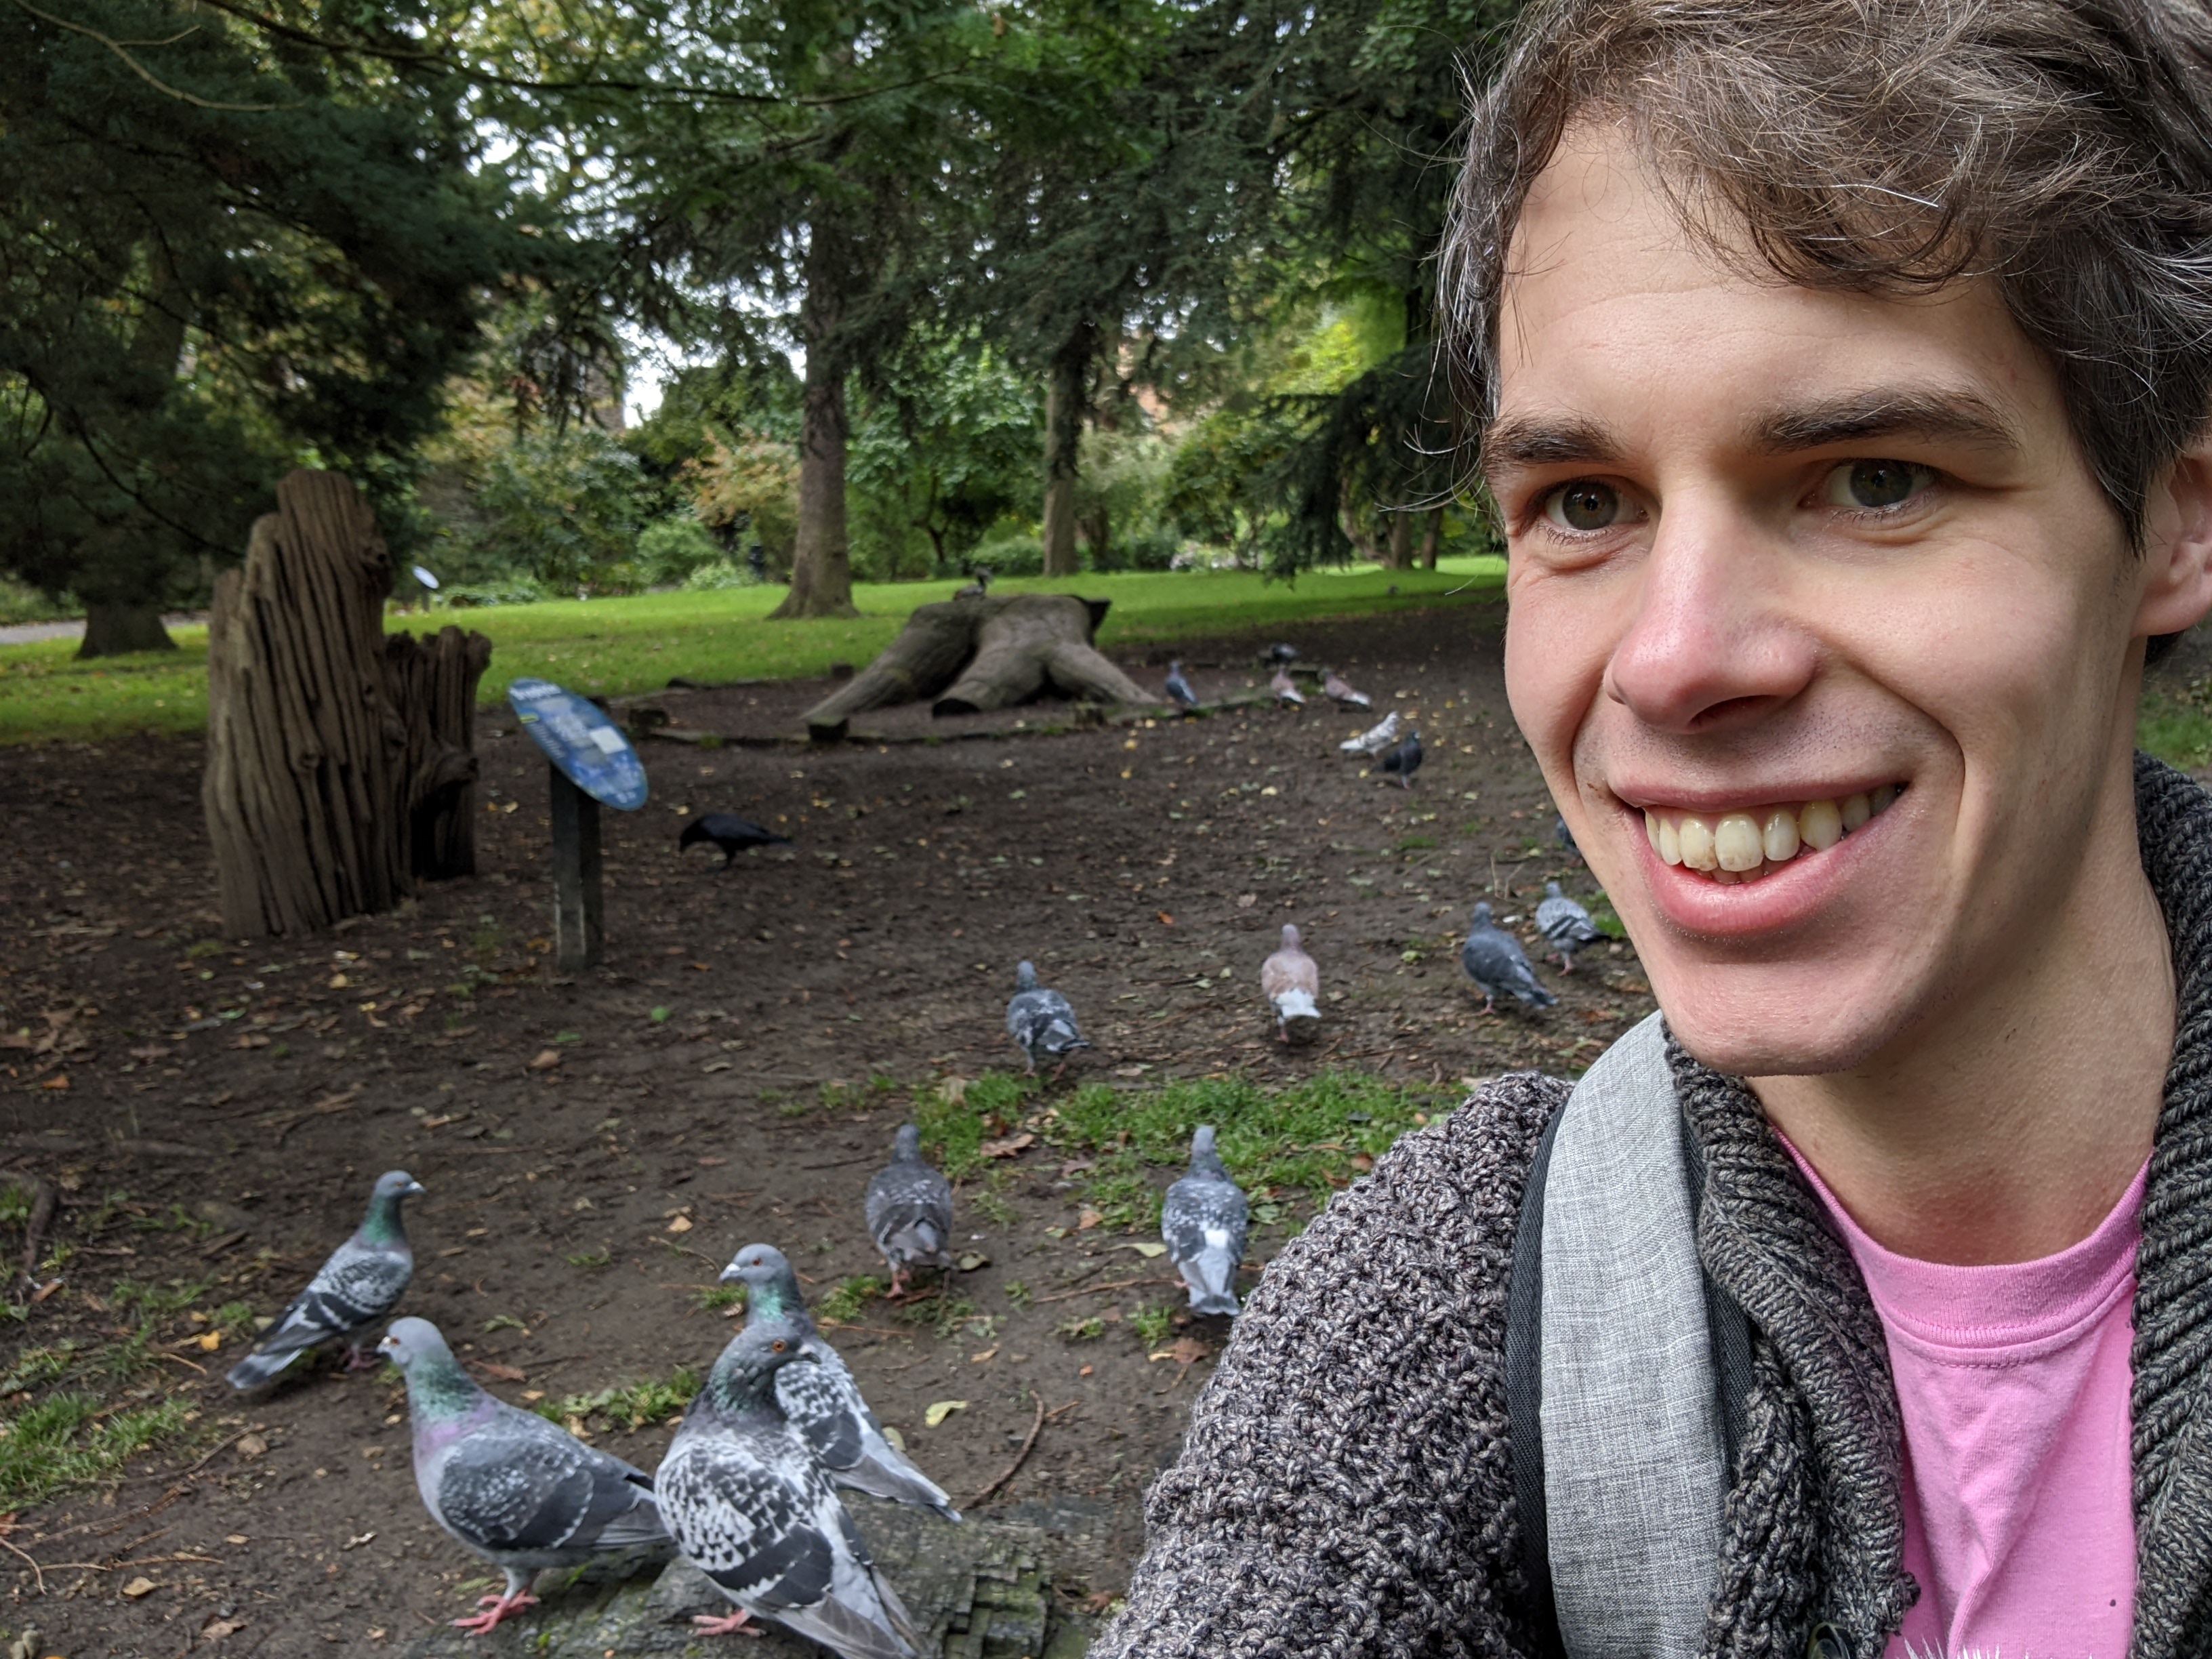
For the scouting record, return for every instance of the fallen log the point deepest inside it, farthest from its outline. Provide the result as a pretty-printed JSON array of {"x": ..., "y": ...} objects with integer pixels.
[{"x": 979, "y": 653}]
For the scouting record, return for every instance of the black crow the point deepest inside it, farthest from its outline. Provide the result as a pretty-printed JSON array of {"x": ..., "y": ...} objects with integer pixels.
[{"x": 730, "y": 833}]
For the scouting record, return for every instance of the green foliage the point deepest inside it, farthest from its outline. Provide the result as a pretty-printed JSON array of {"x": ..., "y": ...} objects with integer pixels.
[
  {"x": 672, "y": 550},
  {"x": 72, "y": 1439},
  {"x": 633, "y": 1405},
  {"x": 1152, "y": 1323},
  {"x": 715, "y": 1297},
  {"x": 953, "y": 1131},
  {"x": 1081, "y": 1329},
  {"x": 593, "y": 1261},
  {"x": 849, "y": 1296},
  {"x": 563, "y": 509}
]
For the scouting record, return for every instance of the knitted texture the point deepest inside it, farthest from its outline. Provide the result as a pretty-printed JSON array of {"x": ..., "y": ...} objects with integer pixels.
[{"x": 1346, "y": 1488}]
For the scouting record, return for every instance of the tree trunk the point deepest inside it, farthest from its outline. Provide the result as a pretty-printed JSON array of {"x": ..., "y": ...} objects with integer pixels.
[
  {"x": 1433, "y": 539},
  {"x": 1098, "y": 534},
  {"x": 1002, "y": 651},
  {"x": 333, "y": 755},
  {"x": 116, "y": 630},
  {"x": 1398, "y": 554},
  {"x": 821, "y": 563},
  {"x": 1353, "y": 522},
  {"x": 1066, "y": 381}
]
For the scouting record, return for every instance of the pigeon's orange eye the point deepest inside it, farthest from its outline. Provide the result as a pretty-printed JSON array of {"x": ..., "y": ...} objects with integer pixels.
[{"x": 778, "y": 1347}]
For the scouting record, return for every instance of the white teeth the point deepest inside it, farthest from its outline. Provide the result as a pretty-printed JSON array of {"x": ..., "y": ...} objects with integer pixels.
[
  {"x": 1744, "y": 846},
  {"x": 1737, "y": 843}
]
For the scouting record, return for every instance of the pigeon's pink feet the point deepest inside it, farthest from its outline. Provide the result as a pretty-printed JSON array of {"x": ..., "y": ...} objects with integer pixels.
[
  {"x": 359, "y": 1359},
  {"x": 497, "y": 1608},
  {"x": 733, "y": 1624},
  {"x": 899, "y": 1276}
]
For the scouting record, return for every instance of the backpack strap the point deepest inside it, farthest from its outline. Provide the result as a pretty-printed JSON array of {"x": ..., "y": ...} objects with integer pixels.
[{"x": 1643, "y": 1362}]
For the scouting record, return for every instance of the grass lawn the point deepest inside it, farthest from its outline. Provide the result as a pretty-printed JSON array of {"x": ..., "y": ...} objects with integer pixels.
[{"x": 620, "y": 646}]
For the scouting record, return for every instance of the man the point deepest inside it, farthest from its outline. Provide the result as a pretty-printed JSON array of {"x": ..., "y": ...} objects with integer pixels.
[{"x": 1842, "y": 372}]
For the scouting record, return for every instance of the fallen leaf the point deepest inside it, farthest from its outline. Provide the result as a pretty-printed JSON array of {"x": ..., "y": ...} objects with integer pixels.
[
  {"x": 211, "y": 1341},
  {"x": 141, "y": 1586},
  {"x": 940, "y": 1410},
  {"x": 546, "y": 1060},
  {"x": 1362, "y": 1162},
  {"x": 59, "y": 1081},
  {"x": 45, "y": 1290},
  {"x": 979, "y": 1358},
  {"x": 682, "y": 1224},
  {"x": 150, "y": 1054},
  {"x": 252, "y": 1446},
  {"x": 712, "y": 1163},
  {"x": 971, "y": 1259},
  {"x": 534, "y": 1395},
  {"x": 215, "y": 1629},
  {"x": 1148, "y": 1248},
  {"x": 897, "y": 1440},
  {"x": 497, "y": 1372},
  {"x": 954, "y": 1089},
  {"x": 1246, "y": 901},
  {"x": 1088, "y": 1219},
  {"x": 236, "y": 1538},
  {"x": 1008, "y": 1147},
  {"x": 713, "y": 1066},
  {"x": 1085, "y": 1371},
  {"x": 1166, "y": 921},
  {"x": 356, "y": 1543}
]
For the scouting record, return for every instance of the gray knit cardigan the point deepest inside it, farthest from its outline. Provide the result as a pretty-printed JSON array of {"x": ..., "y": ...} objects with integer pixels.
[{"x": 1346, "y": 1485}]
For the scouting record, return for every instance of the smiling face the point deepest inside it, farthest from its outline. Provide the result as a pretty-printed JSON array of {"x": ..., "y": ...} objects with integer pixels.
[{"x": 1820, "y": 625}]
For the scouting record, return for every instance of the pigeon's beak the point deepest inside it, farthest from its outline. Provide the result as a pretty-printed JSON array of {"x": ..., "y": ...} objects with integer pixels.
[
  {"x": 729, "y": 1274},
  {"x": 416, "y": 1189}
]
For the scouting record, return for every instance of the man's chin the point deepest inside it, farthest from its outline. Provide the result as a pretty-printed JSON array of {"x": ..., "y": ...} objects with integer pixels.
[{"x": 1755, "y": 1034}]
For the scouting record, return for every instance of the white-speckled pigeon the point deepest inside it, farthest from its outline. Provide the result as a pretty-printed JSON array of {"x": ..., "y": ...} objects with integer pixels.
[
  {"x": 1041, "y": 1021},
  {"x": 1565, "y": 924},
  {"x": 1286, "y": 691},
  {"x": 823, "y": 1400},
  {"x": 1290, "y": 979},
  {"x": 356, "y": 1288},
  {"x": 751, "y": 1508},
  {"x": 1204, "y": 1223},
  {"x": 909, "y": 1211},
  {"x": 1494, "y": 960},
  {"x": 1405, "y": 760},
  {"x": 522, "y": 1493},
  {"x": 1338, "y": 692},
  {"x": 1376, "y": 738},
  {"x": 1179, "y": 687}
]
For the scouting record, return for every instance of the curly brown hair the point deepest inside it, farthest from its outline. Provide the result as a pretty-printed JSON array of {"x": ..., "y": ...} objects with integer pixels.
[{"x": 2062, "y": 148}]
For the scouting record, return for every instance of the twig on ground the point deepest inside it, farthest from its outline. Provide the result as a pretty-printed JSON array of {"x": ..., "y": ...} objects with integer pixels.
[
  {"x": 38, "y": 1573},
  {"x": 1020, "y": 1457},
  {"x": 1094, "y": 1289}
]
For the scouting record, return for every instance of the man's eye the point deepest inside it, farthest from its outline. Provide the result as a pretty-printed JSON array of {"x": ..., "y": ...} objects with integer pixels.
[
  {"x": 1874, "y": 486},
  {"x": 1585, "y": 505}
]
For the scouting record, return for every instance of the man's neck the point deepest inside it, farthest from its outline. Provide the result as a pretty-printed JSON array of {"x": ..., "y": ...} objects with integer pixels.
[{"x": 2005, "y": 1128}]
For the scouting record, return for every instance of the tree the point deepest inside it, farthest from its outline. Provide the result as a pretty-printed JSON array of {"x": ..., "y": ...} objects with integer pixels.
[{"x": 214, "y": 261}]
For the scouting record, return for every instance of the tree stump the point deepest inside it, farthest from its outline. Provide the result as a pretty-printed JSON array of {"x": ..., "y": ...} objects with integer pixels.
[
  {"x": 338, "y": 764},
  {"x": 975, "y": 654}
]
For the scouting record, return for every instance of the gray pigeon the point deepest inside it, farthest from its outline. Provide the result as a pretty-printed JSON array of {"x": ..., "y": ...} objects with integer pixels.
[
  {"x": 1566, "y": 837},
  {"x": 1285, "y": 690},
  {"x": 1565, "y": 924},
  {"x": 1204, "y": 1221},
  {"x": 356, "y": 1288},
  {"x": 1337, "y": 691},
  {"x": 1405, "y": 760},
  {"x": 751, "y": 1508},
  {"x": 1041, "y": 1021},
  {"x": 1376, "y": 738},
  {"x": 521, "y": 1492},
  {"x": 822, "y": 1399},
  {"x": 1290, "y": 980},
  {"x": 1494, "y": 960},
  {"x": 909, "y": 1211},
  {"x": 1179, "y": 687}
]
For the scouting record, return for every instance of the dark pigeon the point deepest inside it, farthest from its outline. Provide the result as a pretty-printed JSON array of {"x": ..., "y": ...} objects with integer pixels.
[
  {"x": 358, "y": 1287},
  {"x": 1495, "y": 963},
  {"x": 823, "y": 1400},
  {"x": 750, "y": 1507},
  {"x": 1282, "y": 654},
  {"x": 910, "y": 1211},
  {"x": 1179, "y": 687},
  {"x": 1203, "y": 1223},
  {"x": 1041, "y": 1021},
  {"x": 1565, "y": 924},
  {"x": 522, "y": 1493},
  {"x": 1405, "y": 760},
  {"x": 734, "y": 835},
  {"x": 1566, "y": 837},
  {"x": 978, "y": 589}
]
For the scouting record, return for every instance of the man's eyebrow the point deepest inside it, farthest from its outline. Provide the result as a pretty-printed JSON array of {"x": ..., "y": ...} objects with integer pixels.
[
  {"x": 1947, "y": 416},
  {"x": 1546, "y": 441}
]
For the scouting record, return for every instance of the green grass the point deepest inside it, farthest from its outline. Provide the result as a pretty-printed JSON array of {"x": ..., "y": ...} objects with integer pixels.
[
  {"x": 72, "y": 1439},
  {"x": 631, "y": 1406},
  {"x": 2176, "y": 725},
  {"x": 629, "y": 645},
  {"x": 848, "y": 1297}
]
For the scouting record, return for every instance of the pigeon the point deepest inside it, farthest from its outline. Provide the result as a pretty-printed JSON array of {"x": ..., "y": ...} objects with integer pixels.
[
  {"x": 1286, "y": 692},
  {"x": 750, "y": 1507},
  {"x": 1341, "y": 695},
  {"x": 978, "y": 589},
  {"x": 1282, "y": 654},
  {"x": 1041, "y": 1021},
  {"x": 356, "y": 1288},
  {"x": 1405, "y": 760},
  {"x": 1203, "y": 1223},
  {"x": 1494, "y": 960},
  {"x": 730, "y": 833},
  {"x": 822, "y": 1399},
  {"x": 1565, "y": 924},
  {"x": 909, "y": 1211},
  {"x": 1179, "y": 687},
  {"x": 521, "y": 1492},
  {"x": 1376, "y": 738},
  {"x": 1566, "y": 837},
  {"x": 1292, "y": 982}
]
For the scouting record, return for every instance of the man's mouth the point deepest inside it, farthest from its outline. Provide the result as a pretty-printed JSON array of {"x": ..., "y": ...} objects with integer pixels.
[{"x": 1744, "y": 844}]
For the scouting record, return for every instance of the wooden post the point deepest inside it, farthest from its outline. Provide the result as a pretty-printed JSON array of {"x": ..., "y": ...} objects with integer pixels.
[{"x": 578, "y": 937}]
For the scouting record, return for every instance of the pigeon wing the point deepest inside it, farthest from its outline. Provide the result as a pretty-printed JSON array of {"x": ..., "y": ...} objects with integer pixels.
[
  {"x": 741, "y": 1508},
  {"x": 522, "y": 1486}
]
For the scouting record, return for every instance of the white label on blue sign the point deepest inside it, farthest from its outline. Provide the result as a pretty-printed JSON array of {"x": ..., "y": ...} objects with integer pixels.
[{"x": 609, "y": 740}]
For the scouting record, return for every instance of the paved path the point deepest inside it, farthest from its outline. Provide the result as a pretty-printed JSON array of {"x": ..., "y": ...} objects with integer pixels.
[{"x": 31, "y": 633}]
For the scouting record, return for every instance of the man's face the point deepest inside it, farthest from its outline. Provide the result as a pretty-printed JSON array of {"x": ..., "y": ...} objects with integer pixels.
[{"x": 1819, "y": 622}]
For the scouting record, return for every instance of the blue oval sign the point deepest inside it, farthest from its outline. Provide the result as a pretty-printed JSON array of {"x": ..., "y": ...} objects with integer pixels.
[{"x": 576, "y": 737}]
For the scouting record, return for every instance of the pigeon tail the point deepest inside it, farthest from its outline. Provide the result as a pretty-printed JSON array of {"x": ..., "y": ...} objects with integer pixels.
[
  {"x": 265, "y": 1365},
  {"x": 1060, "y": 1038},
  {"x": 881, "y": 1473},
  {"x": 1297, "y": 1014},
  {"x": 1210, "y": 1277}
]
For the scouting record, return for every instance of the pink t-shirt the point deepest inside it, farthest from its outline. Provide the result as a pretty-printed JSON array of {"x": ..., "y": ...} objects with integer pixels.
[{"x": 2013, "y": 1384}]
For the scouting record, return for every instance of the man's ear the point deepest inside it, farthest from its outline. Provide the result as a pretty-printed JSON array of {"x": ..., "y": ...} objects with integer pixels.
[{"x": 2178, "y": 545}]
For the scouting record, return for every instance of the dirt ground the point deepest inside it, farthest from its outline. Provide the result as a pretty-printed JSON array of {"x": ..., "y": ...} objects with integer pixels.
[{"x": 596, "y": 1148}]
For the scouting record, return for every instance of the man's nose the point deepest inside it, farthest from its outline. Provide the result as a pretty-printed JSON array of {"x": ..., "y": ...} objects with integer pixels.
[{"x": 1712, "y": 643}]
